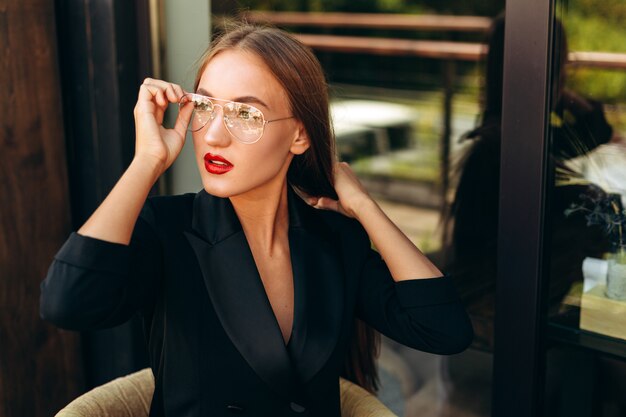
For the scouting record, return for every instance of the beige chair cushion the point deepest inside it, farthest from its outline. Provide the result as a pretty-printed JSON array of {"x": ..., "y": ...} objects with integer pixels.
[
  {"x": 130, "y": 396},
  {"x": 357, "y": 402}
]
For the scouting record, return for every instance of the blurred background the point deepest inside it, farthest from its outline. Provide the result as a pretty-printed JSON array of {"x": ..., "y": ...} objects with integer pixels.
[{"x": 498, "y": 149}]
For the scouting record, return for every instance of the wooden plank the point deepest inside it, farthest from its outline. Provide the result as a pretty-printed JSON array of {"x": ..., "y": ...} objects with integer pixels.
[
  {"x": 378, "y": 46},
  {"x": 606, "y": 60},
  {"x": 603, "y": 315},
  {"x": 460, "y": 51},
  {"x": 399, "y": 47},
  {"x": 40, "y": 365},
  {"x": 373, "y": 21}
]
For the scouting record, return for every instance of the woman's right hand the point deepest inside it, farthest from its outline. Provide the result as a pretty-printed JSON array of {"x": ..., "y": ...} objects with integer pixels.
[{"x": 153, "y": 142}]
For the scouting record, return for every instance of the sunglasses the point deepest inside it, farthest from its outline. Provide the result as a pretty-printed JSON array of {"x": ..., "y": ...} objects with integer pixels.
[{"x": 244, "y": 122}]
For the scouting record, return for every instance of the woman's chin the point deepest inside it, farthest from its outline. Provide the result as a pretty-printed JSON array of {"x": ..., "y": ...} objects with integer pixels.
[
  {"x": 218, "y": 191},
  {"x": 224, "y": 187}
]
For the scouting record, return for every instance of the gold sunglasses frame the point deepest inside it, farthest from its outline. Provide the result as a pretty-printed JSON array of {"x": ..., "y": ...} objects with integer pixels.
[{"x": 203, "y": 99}]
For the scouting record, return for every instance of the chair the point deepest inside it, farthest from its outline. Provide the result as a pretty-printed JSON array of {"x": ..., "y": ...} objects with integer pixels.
[{"x": 130, "y": 396}]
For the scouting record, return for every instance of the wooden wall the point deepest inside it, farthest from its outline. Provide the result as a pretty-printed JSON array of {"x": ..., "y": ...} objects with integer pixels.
[
  {"x": 40, "y": 366},
  {"x": 103, "y": 50}
]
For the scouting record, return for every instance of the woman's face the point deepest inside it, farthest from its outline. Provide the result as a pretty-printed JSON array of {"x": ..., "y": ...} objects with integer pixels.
[{"x": 243, "y": 77}]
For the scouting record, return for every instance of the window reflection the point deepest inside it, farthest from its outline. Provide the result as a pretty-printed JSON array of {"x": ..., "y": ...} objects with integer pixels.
[
  {"x": 587, "y": 149},
  {"x": 578, "y": 125},
  {"x": 586, "y": 358},
  {"x": 473, "y": 214},
  {"x": 584, "y": 219}
]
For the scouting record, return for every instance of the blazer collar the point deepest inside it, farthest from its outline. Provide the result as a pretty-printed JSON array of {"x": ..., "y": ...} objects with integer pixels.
[
  {"x": 207, "y": 209},
  {"x": 241, "y": 303}
]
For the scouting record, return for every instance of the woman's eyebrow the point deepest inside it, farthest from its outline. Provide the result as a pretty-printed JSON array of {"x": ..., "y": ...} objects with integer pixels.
[
  {"x": 251, "y": 99},
  {"x": 243, "y": 99}
]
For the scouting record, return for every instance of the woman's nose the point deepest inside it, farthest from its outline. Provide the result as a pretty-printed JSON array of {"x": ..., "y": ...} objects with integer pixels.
[{"x": 215, "y": 132}]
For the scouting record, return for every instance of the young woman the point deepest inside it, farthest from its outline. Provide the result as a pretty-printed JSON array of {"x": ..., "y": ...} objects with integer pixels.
[{"x": 249, "y": 294}]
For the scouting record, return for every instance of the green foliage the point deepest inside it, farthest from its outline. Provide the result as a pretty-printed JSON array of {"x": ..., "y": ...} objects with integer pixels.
[
  {"x": 604, "y": 85},
  {"x": 463, "y": 7},
  {"x": 611, "y": 11},
  {"x": 596, "y": 30},
  {"x": 459, "y": 7}
]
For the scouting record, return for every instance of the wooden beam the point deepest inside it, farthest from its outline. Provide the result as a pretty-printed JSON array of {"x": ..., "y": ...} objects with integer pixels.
[
  {"x": 439, "y": 23},
  {"x": 606, "y": 60},
  {"x": 399, "y": 47},
  {"x": 459, "y": 51}
]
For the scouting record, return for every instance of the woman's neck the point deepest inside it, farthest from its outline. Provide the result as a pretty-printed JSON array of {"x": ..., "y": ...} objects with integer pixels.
[{"x": 264, "y": 215}]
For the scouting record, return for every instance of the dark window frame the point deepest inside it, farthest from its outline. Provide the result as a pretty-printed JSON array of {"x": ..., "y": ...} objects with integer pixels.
[{"x": 520, "y": 321}]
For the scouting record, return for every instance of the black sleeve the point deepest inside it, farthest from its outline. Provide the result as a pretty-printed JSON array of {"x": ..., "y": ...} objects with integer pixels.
[
  {"x": 94, "y": 284},
  {"x": 424, "y": 314}
]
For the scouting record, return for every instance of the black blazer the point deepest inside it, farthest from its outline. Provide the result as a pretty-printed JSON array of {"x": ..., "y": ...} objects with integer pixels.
[{"x": 215, "y": 345}]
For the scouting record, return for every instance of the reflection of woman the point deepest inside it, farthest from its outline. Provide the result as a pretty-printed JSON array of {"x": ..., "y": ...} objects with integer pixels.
[
  {"x": 578, "y": 127},
  {"x": 248, "y": 294}
]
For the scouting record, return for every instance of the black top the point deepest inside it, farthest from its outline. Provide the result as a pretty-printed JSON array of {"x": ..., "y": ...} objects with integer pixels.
[{"x": 215, "y": 345}]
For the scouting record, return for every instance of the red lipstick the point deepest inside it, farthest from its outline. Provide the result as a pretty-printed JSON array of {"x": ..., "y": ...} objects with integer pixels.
[{"x": 215, "y": 164}]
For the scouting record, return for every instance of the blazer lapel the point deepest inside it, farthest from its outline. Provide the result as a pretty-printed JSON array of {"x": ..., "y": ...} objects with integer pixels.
[
  {"x": 242, "y": 306},
  {"x": 236, "y": 290},
  {"x": 319, "y": 286}
]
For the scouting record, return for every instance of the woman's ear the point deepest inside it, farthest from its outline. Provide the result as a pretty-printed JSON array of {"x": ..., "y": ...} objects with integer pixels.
[{"x": 300, "y": 141}]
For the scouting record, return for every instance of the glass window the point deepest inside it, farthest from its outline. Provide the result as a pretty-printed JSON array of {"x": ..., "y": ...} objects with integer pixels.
[{"x": 586, "y": 221}]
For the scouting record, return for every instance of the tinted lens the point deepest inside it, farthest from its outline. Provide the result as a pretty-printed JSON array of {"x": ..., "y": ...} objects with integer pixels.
[
  {"x": 202, "y": 110},
  {"x": 245, "y": 122},
  {"x": 201, "y": 116}
]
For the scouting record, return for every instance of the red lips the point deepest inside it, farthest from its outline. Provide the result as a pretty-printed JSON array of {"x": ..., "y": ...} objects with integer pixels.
[{"x": 215, "y": 164}]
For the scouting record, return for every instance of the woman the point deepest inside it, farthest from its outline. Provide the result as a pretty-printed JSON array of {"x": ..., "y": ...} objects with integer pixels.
[{"x": 249, "y": 294}]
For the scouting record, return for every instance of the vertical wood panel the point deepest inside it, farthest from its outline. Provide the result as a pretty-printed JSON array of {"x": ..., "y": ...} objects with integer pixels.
[
  {"x": 102, "y": 65},
  {"x": 40, "y": 367}
]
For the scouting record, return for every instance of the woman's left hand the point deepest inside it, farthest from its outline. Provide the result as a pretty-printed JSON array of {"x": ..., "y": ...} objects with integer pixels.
[
  {"x": 404, "y": 259},
  {"x": 352, "y": 195}
]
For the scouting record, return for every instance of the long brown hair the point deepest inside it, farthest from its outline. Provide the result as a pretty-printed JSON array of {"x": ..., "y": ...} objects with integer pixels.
[{"x": 299, "y": 72}]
